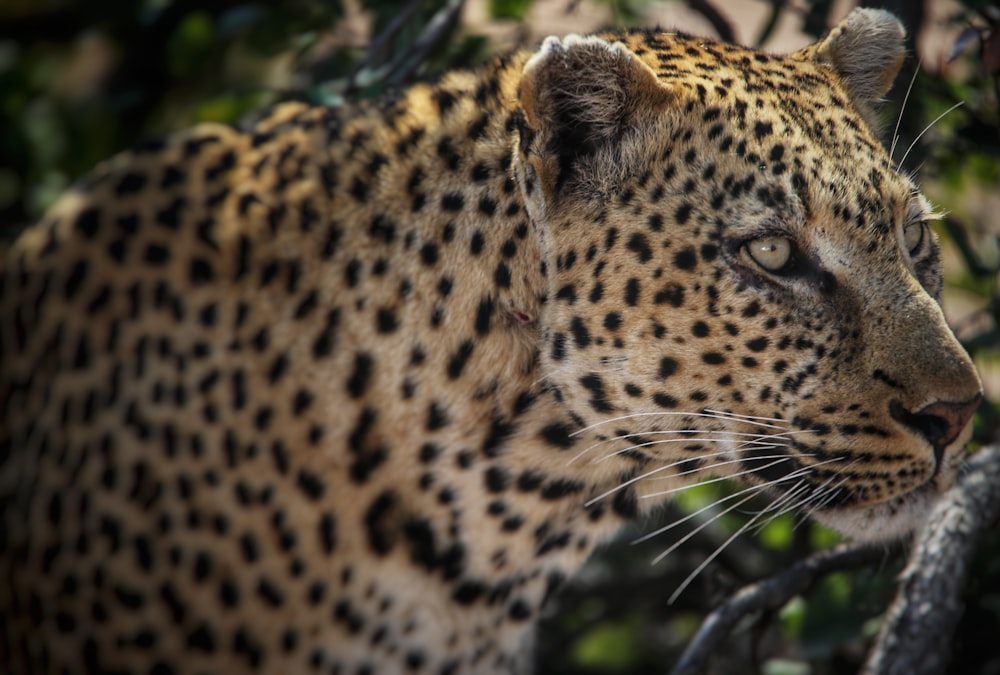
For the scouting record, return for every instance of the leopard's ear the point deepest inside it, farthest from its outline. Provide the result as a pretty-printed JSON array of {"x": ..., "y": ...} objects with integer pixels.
[
  {"x": 583, "y": 98},
  {"x": 866, "y": 50}
]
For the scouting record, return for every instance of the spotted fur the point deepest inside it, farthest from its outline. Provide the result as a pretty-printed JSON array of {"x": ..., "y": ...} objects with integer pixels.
[{"x": 354, "y": 390}]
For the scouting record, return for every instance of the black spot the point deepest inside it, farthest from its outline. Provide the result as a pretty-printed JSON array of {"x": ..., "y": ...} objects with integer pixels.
[
  {"x": 501, "y": 277},
  {"x": 476, "y": 243},
  {"x": 307, "y": 305},
  {"x": 496, "y": 479},
  {"x": 378, "y": 517},
  {"x": 301, "y": 402},
  {"x": 328, "y": 532},
  {"x": 249, "y": 547},
  {"x": 567, "y": 293},
  {"x": 382, "y": 228},
  {"x": 483, "y": 314},
  {"x": 500, "y": 430},
  {"x": 385, "y": 320},
  {"x": 278, "y": 368},
  {"x": 157, "y": 254},
  {"x": 245, "y": 643},
  {"x": 625, "y": 503},
  {"x": 487, "y": 206},
  {"x": 762, "y": 129},
  {"x": 270, "y": 593},
  {"x": 672, "y": 294},
  {"x": 202, "y": 638},
  {"x": 360, "y": 378},
  {"x": 580, "y": 333},
  {"x": 683, "y": 213},
  {"x": 668, "y": 367},
  {"x": 758, "y": 344},
  {"x": 560, "y": 488},
  {"x": 201, "y": 271},
  {"x": 558, "y": 346},
  {"x": 87, "y": 222},
  {"x": 311, "y": 484},
  {"x": 664, "y": 400},
  {"x": 612, "y": 320},
  {"x": 452, "y": 201},
  {"x": 558, "y": 434},
  {"x": 75, "y": 279},
  {"x": 458, "y": 360},
  {"x": 467, "y": 592},
  {"x": 632, "y": 292},
  {"x": 437, "y": 416},
  {"x": 429, "y": 253},
  {"x": 686, "y": 258},
  {"x": 598, "y": 396},
  {"x": 638, "y": 244},
  {"x": 519, "y": 610}
]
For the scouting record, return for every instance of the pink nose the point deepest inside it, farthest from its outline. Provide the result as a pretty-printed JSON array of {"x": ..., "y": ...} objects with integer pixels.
[{"x": 941, "y": 423}]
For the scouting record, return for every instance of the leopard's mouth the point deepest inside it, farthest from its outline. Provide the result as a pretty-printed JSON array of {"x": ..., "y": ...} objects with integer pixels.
[{"x": 884, "y": 522}]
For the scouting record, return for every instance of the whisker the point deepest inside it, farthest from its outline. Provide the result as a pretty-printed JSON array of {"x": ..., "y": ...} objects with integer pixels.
[
  {"x": 753, "y": 439},
  {"x": 899, "y": 119},
  {"x": 677, "y": 544},
  {"x": 679, "y": 488},
  {"x": 926, "y": 129},
  {"x": 666, "y": 413},
  {"x": 747, "y": 490},
  {"x": 739, "y": 416},
  {"x": 715, "y": 554},
  {"x": 698, "y": 439}
]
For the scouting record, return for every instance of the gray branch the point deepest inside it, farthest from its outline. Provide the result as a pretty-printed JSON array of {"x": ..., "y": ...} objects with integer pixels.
[
  {"x": 917, "y": 635},
  {"x": 769, "y": 594}
]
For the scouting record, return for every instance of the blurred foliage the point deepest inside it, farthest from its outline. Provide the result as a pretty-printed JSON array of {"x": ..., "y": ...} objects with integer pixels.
[{"x": 81, "y": 80}]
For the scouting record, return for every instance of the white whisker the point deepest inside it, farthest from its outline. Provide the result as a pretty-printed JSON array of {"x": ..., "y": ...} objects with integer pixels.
[
  {"x": 667, "y": 413},
  {"x": 899, "y": 118},
  {"x": 753, "y": 439},
  {"x": 715, "y": 554},
  {"x": 681, "y": 488},
  {"x": 926, "y": 129},
  {"x": 798, "y": 473},
  {"x": 738, "y": 416}
]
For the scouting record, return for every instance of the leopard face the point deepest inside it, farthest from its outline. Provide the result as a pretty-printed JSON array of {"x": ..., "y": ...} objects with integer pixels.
[{"x": 356, "y": 389}]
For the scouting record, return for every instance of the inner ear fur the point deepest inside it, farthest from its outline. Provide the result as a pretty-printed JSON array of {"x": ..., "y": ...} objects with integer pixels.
[
  {"x": 582, "y": 98},
  {"x": 866, "y": 51}
]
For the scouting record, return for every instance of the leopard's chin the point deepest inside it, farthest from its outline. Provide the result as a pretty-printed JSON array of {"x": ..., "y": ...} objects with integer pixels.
[{"x": 885, "y": 522}]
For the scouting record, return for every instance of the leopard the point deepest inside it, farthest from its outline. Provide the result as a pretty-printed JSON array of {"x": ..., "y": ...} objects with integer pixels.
[{"x": 357, "y": 388}]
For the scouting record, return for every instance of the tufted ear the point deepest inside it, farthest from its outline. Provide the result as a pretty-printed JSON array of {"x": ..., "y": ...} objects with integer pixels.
[
  {"x": 866, "y": 51},
  {"x": 582, "y": 97}
]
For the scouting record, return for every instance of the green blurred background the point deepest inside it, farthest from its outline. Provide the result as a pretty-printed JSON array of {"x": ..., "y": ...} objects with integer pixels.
[{"x": 82, "y": 80}]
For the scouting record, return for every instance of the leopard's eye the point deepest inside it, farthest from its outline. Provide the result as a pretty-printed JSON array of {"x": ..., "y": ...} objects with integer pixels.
[
  {"x": 771, "y": 253},
  {"x": 913, "y": 237}
]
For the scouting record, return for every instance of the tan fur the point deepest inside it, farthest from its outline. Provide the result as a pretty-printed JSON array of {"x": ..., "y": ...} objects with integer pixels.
[{"x": 355, "y": 390}]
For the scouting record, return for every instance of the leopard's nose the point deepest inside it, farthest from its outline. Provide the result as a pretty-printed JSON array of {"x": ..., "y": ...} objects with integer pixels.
[{"x": 940, "y": 422}]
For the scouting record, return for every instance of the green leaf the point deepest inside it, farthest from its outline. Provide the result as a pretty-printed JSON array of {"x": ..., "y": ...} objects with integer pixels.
[
  {"x": 610, "y": 646},
  {"x": 509, "y": 9}
]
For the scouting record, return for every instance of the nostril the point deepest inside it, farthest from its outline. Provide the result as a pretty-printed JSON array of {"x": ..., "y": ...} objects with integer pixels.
[
  {"x": 955, "y": 416},
  {"x": 940, "y": 423}
]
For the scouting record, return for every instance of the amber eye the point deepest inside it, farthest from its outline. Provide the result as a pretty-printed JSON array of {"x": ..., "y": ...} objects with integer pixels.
[
  {"x": 913, "y": 236},
  {"x": 771, "y": 253}
]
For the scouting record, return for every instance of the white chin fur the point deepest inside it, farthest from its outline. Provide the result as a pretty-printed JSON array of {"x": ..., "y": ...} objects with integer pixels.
[{"x": 885, "y": 522}]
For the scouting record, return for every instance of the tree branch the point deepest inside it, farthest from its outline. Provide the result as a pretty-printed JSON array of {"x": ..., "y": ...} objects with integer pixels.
[
  {"x": 768, "y": 594},
  {"x": 917, "y": 635}
]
